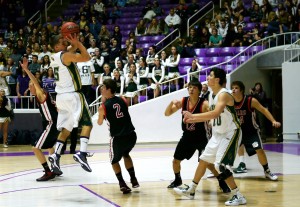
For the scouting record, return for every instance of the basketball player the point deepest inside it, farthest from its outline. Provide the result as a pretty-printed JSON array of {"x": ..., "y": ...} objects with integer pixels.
[
  {"x": 226, "y": 135},
  {"x": 123, "y": 137},
  {"x": 245, "y": 107},
  {"x": 194, "y": 135},
  {"x": 49, "y": 116},
  {"x": 72, "y": 106}
]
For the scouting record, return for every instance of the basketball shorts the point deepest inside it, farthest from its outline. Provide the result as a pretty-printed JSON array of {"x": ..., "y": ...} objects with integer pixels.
[
  {"x": 48, "y": 137},
  {"x": 252, "y": 142}
]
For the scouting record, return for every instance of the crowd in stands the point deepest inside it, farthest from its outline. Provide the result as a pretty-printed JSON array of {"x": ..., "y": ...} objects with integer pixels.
[{"x": 118, "y": 56}]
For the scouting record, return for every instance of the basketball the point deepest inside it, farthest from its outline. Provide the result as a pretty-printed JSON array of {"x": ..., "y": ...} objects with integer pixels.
[{"x": 69, "y": 28}]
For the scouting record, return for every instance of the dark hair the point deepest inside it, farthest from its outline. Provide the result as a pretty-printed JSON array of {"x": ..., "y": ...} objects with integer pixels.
[
  {"x": 219, "y": 73},
  {"x": 261, "y": 87},
  {"x": 195, "y": 83},
  {"x": 54, "y": 40},
  {"x": 240, "y": 84},
  {"x": 110, "y": 84}
]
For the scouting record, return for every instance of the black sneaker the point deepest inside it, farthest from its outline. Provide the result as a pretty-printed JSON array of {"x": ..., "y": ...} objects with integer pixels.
[
  {"x": 175, "y": 184},
  {"x": 80, "y": 157},
  {"x": 135, "y": 183},
  {"x": 241, "y": 168},
  {"x": 224, "y": 186},
  {"x": 124, "y": 188},
  {"x": 54, "y": 160},
  {"x": 47, "y": 176}
]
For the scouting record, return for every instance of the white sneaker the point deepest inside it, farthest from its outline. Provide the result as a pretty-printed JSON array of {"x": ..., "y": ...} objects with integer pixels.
[
  {"x": 185, "y": 191},
  {"x": 236, "y": 201},
  {"x": 270, "y": 175},
  {"x": 5, "y": 145},
  {"x": 210, "y": 175}
]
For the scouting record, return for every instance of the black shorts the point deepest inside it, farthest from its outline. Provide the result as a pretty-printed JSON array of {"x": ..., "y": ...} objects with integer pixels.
[
  {"x": 48, "y": 137},
  {"x": 121, "y": 146},
  {"x": 187, "y": 146},
  {"x": 252, "y": 142}
]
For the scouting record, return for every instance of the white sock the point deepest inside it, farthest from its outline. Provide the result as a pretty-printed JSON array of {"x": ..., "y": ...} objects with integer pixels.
[
  {"x": 83, "y": 144},
  {"x": 58, "y": 147},
  {"x": 242, "y": 159}
]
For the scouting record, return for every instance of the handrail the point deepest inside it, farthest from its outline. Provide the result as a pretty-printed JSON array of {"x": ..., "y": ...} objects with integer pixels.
[
  {"x": 33, "y": 16},
  {"x": 166, "y": 38},
  {"x": 48, "y": 7},
  {"x": 195, "y": 20},
  {"x": 292, "y": 52}
]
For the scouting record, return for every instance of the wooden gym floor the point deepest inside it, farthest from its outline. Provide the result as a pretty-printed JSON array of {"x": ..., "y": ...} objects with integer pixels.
[{"x": 153, "y": 164}]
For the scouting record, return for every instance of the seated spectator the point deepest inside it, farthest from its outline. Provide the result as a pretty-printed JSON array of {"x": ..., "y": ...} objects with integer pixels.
[
  {"x": 143, "y": 72},
  {"x": 240, "y": 9},
  {"x": 44, "y": 52},
  {"x": 141, "y": 28},
  {"x": 256, "y": 15},
  {"x": 114, "y": 53},
  {"x": 193, "y": 8},
  {"x": 290, "y": 7},
  {"x": 2, "y": 44},
  {"x": 127, "y": 66},
  {"x": 222, "y": 30},
  {"x": 92, "y": 47},
  {"x": 104, "y": 51},
  {"x": 48, "y": 81},
  {"x": 157, "y": 9},
  {"x": 212, "y": 25},
  {"x": 215, "y": 40},
  {"x": 153, "y": 28},
  {"x": 3, "y": 61},
  {"x": 266, "y": 8},
  {"x": 104, "y": 34},
  {"x": 132, "y": 39},
  {"x": 283, "y": 17},
  {"x": 173, "y": 20},
  {"x": 291, "y": 24},
  {"x": 10, "y": 32},
  {"x": 132, "y": 80},
  {"x": 82, "y": 23},
  {"x": 149, "y": 16},
  {"x": 120, "y": 67},
  {"x": 163, "y": 59},
  {"x": 98, "y": 7},
  {"x": 191, "y": 73},
  {"x": 95, "y": 27},
  {"x": 106, "y": 75},
  {"x": 45, "y": 64},
  {"x": 139, "y": 54},
  {"x": 182, "y": 13},
  {"x": 204, "y": 37},
  {"x": 117, "y": 35},
  {"x": 163, "y": 27},
  {"x": 120, "y": 82},
  {"x": 238, "y": 37},
  {"x": 147, "y": 7},
  {"x": 34, "y": 66},
  {"x": 115, "y": 14},
  {"x": 241, "y": 21}
]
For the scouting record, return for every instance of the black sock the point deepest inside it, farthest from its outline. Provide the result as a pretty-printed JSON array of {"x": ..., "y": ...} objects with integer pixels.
[
  {"x": 46, "y": 167},
  {"x": 195, "y": 183},
  {"x": 131, "y": 172},
  {"x": 120, "y": 177},
  {"x": 177, "y": 176},
  {"x": 266, "y": 167}
]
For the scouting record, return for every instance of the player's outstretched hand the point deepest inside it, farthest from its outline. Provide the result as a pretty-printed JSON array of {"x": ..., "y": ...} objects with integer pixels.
[
  {"x": 187, "y": 117},
  {"x": 276, "y": 124}
]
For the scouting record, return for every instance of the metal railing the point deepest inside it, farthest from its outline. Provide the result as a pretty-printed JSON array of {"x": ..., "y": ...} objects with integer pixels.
[
  {"x": 209, "y": 7},
  {"x": 292, "y": 52},
  {"x": 51, "y": 2},
  {"x": 37, "y": 15},
  {"x": 168, "y": 40},
  {"x": 166, "y": 86}
]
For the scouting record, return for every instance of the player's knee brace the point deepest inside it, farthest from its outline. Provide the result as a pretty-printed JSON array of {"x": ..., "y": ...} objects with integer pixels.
[{"x": 225, "y": 174}]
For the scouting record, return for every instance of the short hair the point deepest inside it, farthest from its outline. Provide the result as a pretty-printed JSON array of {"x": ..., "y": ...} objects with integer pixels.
[
  {"x": 219, "y": 73},
  {"x": 110, "y": 84},
  {"x": 54, "y": 40},
  {"x": 240, "y": 84},
  {"x": 196, "y": 84}
]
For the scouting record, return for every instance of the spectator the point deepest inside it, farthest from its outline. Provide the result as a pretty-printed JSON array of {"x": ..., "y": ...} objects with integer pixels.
[
  {"x": 44, "y": 52},
  {"x": 143, "y": 72},
  {"x": 98, "y": 7},
  {"x": 120, "y": 82},
  {"x": 173, "y": 20},
  {"x": 104, "y": 34},
  {"x": 34, "y": 66},
  {"x": 215, "y": 40},
  {"x": 191, "y": 73},
  {"x": 139, "y": 54},
  {"x": 82, "y": 23},
  {"x": 238, "y": 37},
  {"x": 222, "y": 30},
  {"x": 98, "y": 62},
  {"x": 256, "y": 15},
  {"x": 115, "y": 14},
  {"x": 122, "y": 58},
  {"x": 117, "y": 35},
  {"x": 150, "y": 14},
  {"x": 12, "y": 78},
  {"x": 157, "y": 9},
  {"x": 127, "y": 66},
  {"x": 141, "y": 28},
  {"x": 5, "y": 112},
  {"x": 132, "y": 80},
  {"x": 163, "y": 27},
  {"x": 48, "y": 81},
  {"x": 153, "y": 28},
  {"x": 104, "y": 51},
  {"x": 10, "y": 33},
  {"x": 8, "y": 50},
  {"x": 192, "y": 41},
  {"x": 182, "y": 13},
  {"x": 173, "y": 73},
  {"x": 45, "y": 64},
  {"x": 120, "y": 67},
  {"x": 158, "y": 75},
  {"x": 151, "y": 55},
  {"x": 132, "y": 39},
  {"x": 193, "y": 8},
  {"x": 3, "y": 61},
  {"x": 106, "y": 75},
  {"x": 23, "y": 88},
  {"x": 204, "y": 37},
  {"x": 146, "y": 8},
  {"x": 95, "y": 27},
  {"x": 114, "y": 53},
  {"x": 2, "y": 44}
]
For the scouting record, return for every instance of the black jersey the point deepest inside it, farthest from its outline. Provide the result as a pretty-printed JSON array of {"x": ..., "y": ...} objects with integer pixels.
[
  {"x": 118, "y": 117},
  {"x": 118, "y": 85},
  {"x": 246, "y": 116},
  {"x": 198, "y": 128},
  {"x": 48, "y": 109}
]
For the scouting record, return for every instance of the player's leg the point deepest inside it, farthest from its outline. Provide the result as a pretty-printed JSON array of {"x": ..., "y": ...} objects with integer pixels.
[
  {"x": 242, "y": 166},
  {"x": 48, "y": 175},
  {"x": 261, "y": 155}
]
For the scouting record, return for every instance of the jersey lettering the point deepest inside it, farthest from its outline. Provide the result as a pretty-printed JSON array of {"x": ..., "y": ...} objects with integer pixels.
[
  {"x": 56, "y": 75},
  {"x": 217, "y": 121},
  {"x": 190, "y": 127},
  {"x": 118, "y": 113}
]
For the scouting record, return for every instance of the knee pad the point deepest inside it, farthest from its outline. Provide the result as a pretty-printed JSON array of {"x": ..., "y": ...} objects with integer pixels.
[{"x": 225, "y": 174}]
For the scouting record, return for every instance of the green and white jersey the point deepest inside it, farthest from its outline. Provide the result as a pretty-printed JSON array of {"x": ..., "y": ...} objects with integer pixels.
[
  {"x": 67, "y": 78},
  {"x": 228, "y": 120}
]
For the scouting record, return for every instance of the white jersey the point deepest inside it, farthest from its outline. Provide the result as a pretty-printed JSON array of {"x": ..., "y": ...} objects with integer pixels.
[
  {"x": 67, "y": 78},
  {"x": 86, "y": 69},
  {"x": 228, "y": 120},
  {"x": 4, "y": 85}
]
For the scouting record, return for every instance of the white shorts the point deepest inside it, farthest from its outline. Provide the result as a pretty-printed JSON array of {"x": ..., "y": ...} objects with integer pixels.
[
  {"x": 69, "y": 107},
  {"x": 222, "y": 148},
  {"x": 173, "y": 75},
  {"x": 4, "y": 119},
  {"x": 149, "y": 75},
  {"x": 131, "y": 94}
]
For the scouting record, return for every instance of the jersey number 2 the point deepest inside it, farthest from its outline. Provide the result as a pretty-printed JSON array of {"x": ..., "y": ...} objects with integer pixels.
[{"x": 119, "y": 114}]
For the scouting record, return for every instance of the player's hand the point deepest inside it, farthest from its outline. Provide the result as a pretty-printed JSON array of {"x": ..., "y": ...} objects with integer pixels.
[
  {"x": 24, "y": 65},
  {"x": 176, "y": 103},
  {"x": 276, "y": 124},
  {"x": 187, "y": 117},
  {"x": 72, "y": 39}
]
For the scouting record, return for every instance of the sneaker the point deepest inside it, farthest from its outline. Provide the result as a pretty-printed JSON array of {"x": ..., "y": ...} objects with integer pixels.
[
  {"x": 124, "y": 188},
  {"x": 224, "y": 186},
  {"x": 47, "y": 176},
  {"x": 135, "y": 183},
  {"x": 210, "y": 175},
  {"x": 175, "y": 184},
  {"x": 80, "y": 157},
  {"x": 241, "y": 168},
  {"x": 5, "y": 145},
  {"x": 185, "y": 191},
  {"x": 270, "y": 175},
  {"x": 236, "y": 200},
  {"x": 54, "y": 160}
]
